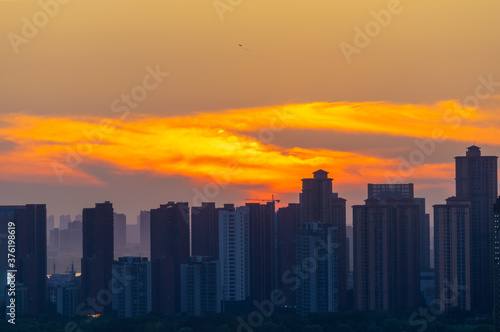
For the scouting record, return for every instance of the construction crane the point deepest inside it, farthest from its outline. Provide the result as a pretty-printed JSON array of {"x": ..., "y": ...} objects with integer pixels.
[{"x": 263, "y": 200}]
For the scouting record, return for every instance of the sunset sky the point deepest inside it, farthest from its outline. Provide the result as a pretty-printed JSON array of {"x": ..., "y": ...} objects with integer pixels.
[{"x": 141, "y": 103}]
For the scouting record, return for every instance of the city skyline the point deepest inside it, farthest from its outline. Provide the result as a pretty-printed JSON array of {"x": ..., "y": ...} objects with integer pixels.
[
  {"x": 387, "y": 239},
  {"x": 237, "y": 165}
]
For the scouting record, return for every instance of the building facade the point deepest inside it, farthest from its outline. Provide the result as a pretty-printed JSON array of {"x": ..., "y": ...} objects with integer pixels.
[
  {"x": 133, "y": 297},
  {"x": 205, "y": 230},
  {"x": 201, "y": 286},
  {"x": 319, "y": 204},
  {"x": 29, "y": 224},
  {"x": 288, "y": 221},
  {"x": 476, "y": 181},
  {"x": 234, "y": 253},
  {"x": 262, "y": 246},
  {"x": 406, "y": 190},
  {"x": 97, "y": 260},
  {"x": 169, "y": 248},
  {"x": 452, "y": 248},
  {"x": 317, "y": 254},
  {"x": 120, "y": 233},
  {"x": 387, "y": 254}
]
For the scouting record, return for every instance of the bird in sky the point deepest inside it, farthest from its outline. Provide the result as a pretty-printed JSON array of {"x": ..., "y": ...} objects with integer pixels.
[{"x": 246, "y": 49}]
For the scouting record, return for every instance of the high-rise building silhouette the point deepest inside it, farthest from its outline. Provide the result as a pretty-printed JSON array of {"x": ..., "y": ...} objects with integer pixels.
[
  {"x": 132, "y": 297},
  {"x": 387, "y": 253},
  {"x": 75, "y": 234},
  {"x": 318, "y": 203},
  {"x": 70, "y": 239},
  {"x": 452, "y": 249},
  {"x": 317, "y": 253},
  {"x": 68, "y": 299},
  {"x": 425, "y": 240},
  {"x": 234, "y": 255},
  {"x": 65, "y": 292},
  {"x": 145, "y": 225},
  {"x": 50, "y": 223},
  {"x": 316, "y": 198},
  {"x": 133, "y": 234},
  {"x": 97, "y": 260},
  {"x": 288, "y": 220},
  {"x": 496, "y": 248},
  {"x": 144, "y": 222},
  {"x": 350, "y": 235},
  {"x": 406, "y": 190},
  {"x": 476, "y": 180},
  {"x": 54, "y": 239},
  {"x": 205, "y": 230},
  {"x": 262, "y": 246},
  {"x": 169, "y": 248},
  {"x": 64, "y": 220},
  {"x": 120, "y": 233},
  {"x": 30, "y": 266},
  {"x": 201, "y": 286}
]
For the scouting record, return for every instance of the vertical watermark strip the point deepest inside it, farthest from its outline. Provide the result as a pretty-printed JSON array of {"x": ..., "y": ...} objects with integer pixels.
[{"x": 11, "y": 273}]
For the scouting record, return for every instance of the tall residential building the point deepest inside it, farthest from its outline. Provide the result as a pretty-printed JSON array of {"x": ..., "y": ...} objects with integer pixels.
[
  {"x": 234, "y": 254},
  {"x": 65, "y": 292},
  {"x": 288, "y": 219},
  {"x": 133, "y": 297},
  {"x": 29, "y": 225},
  {"x": 476, "y": 180},
  {"x": 75, "y": 234},
  {"x": 496, "y": 238},
  {"x": 145, "y": 226},
  {"x": 144, "y": 222},
  {"x": 452, "y": 251},
  {"x": 54, "y": 239},
  {"x": 319, "y": 204},
  {"x": 68, "y": 299},
  {"x": 120, "y": 233},
  {"x": 50, "y": 223},
  {"x": 339, "y": 221},
  {"x": 406, "y": 190},
  {"x": 387, "y": 254},
  {"x": 70, "y": 239},
  {"x": 169, "y": 248},
  {"x": 316, "y": 198},
  {"x": 133, "y": 234},
  {"x": 201, "y": 286},
  {"x": 64, "y": 220},
  {"x": 97, "y": 257},
  {"x": 425, "y": 242},
  {"x": 350, "y": 235},
  {"x": 262, "y": 246},
  {"x": 316, "y": 252},
  {"x": 205, "y": 231}
]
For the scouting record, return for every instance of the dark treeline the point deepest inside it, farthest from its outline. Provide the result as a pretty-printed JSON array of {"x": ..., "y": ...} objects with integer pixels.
[{"x": 328, "y": 322}]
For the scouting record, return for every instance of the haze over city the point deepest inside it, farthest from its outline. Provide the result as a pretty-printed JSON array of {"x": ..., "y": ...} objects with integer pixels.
[{"x": 249, "y": 165}]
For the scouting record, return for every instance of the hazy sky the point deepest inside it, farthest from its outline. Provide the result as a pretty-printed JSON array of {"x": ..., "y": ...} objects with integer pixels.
[{"x": 351, "y": 87}]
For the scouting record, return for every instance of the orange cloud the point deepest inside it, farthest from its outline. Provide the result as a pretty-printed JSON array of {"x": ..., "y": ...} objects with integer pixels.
[
  {"x": 449, "y": 117},
  {"x": 218, "y": 147}
]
